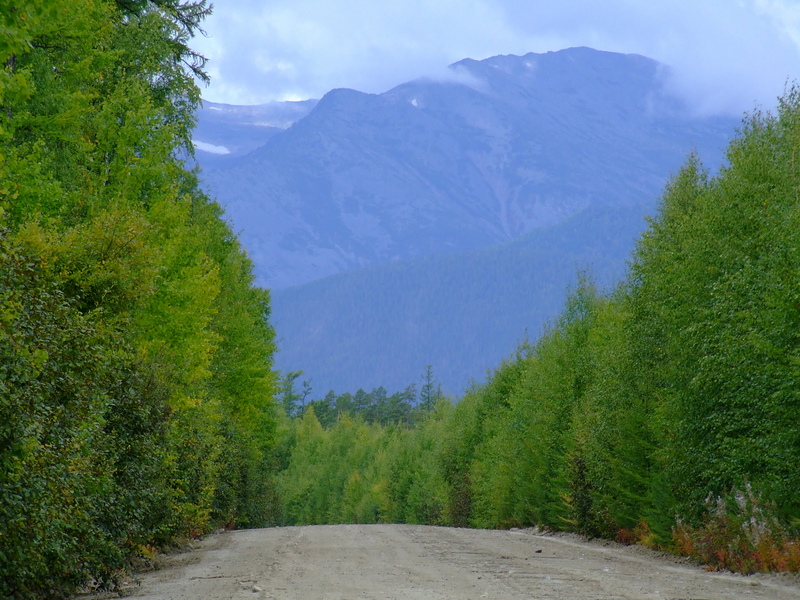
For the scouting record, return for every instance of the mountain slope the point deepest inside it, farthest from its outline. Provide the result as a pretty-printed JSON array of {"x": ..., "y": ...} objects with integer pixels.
[
  {"x": 437, "y": 222},
  {"x": 510, "y": 144},
  {"x": 460, "y": 313},
  {"x": 229, "y": 130}
]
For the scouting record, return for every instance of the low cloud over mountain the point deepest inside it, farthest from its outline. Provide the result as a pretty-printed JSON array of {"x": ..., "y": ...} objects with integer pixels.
[{"x": 511, "y": 147}]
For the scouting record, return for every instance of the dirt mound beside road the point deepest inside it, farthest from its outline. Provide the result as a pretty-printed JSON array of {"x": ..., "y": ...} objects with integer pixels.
[{"x": 409, "y": 562}]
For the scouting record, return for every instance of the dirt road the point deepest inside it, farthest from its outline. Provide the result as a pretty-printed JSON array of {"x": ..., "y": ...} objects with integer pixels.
[{"x": 406, "y": 562}]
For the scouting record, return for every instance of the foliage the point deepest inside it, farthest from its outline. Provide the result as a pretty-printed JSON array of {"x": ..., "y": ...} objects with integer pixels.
[
  {"x": 356, "y": 472},
  {"x": 713, "y": 312},
  {"x": 739, "y": 533},
  {"x": 136, "y": 377},
  {"x": 376, "y": 406},
  {"x": 663, "y": 413},
  {"x": 84, "y": 426}
]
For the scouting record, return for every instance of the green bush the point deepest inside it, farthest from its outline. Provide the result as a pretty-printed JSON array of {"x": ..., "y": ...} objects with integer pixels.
[
  {"x": 136, "y": 383},
  {"x": 81, "y": 441}
]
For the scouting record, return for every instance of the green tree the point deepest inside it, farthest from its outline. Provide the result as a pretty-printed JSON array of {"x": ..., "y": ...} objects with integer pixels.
[
  {"x": 81, "y": 445},
  {"x": 431, "y": 391},
  {"x": 712, "y": 299},
  {"x": 145, "y": 408}
]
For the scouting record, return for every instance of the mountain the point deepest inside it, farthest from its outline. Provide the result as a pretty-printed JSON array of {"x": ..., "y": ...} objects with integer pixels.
[
  {"x": 226, "y": 130},
  {"x": 511, "y": 143},
  {"x": 460, "y": 313},
  {"x": 386, "y": 224}
]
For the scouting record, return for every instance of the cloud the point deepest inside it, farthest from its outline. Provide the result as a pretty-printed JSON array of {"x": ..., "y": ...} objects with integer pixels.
[
  {"x": 211, "y": 148},
  {"x": 726, "y": 55},
  {"x": 277, "y": 50}
]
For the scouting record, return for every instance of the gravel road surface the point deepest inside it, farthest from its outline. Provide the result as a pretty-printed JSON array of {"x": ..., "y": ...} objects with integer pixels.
[{"x": 409, "y": 562}]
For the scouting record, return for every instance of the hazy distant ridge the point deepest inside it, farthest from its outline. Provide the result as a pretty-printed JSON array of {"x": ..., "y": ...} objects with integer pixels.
[
  {"x": 511, "y": 146},
  {"x": 439, "y": 166}
]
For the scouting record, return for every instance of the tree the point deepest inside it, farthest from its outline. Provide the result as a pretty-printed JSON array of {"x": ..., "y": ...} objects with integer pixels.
[
  {"x": 289, "y": 398},
  {"x": 713, "y": 291},
  {"x": 156, "y": 380},
  {"x": 430, "y": 392}
]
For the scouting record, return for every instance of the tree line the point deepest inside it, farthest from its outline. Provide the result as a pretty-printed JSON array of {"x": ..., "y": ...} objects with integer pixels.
[
  {"x": 377, "y": 406},
  {"x": 136, "y": 383}
]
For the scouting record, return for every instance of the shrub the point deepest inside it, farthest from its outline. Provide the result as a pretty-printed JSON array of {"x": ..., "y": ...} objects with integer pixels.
[{"x": 739, "y": 532}]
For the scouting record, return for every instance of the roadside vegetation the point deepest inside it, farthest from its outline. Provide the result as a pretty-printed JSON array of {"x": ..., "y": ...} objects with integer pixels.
[
  {"x": 136, "y": 383},
  {"x": 138, "y": 403},
  {"x": 664, "y": 412}
]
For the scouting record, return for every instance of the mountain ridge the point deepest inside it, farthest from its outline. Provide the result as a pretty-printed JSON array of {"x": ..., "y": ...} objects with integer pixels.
[
  {"x": 369, "y": 178},
  {"x": 461, "y": 313},
  {"x": 509, "y": 148}
]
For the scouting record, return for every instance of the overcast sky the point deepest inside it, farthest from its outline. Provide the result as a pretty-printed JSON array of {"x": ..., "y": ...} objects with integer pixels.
[{"x": 726, "y": 55}]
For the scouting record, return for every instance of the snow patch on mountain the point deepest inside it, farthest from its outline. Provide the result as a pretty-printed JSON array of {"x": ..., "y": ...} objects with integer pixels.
[{"x": 211, "y": 148}]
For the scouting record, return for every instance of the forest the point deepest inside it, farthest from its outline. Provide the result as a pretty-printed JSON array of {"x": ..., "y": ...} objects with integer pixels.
[
  {"x": 138, "y": 400},
  {"x": 136, "y": 381}
]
